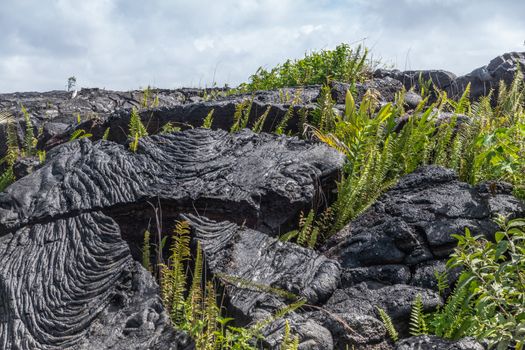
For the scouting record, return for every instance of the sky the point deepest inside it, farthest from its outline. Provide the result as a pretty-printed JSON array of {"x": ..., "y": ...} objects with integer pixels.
[{"x": 129, "y": 44}]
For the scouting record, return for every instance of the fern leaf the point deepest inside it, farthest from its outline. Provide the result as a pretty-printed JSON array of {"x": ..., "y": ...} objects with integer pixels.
[
  {"x": 259, "y": 123},
  {"x": 146, "y": 253},
  {"x": 106, "y": 134},
  {"x": 289, "y": 342},
  {"x": 463, "y": 104},
  {"x": 418, "y": 325},
  {"x": 6, "y": 179},
  {"x": 208, "y": 121},
  {"x": 387, "y": 322},
  {"x": 137, "y": 129}
]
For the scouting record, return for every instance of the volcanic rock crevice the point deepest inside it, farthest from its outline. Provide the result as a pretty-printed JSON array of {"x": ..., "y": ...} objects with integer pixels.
[{"x": 243, "y": 174}]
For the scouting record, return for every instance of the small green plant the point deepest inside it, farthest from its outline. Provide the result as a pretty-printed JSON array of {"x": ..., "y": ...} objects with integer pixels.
[
  {"x": 259, "y": 123},
  {"x": 106, "y": 134},
  {"x": 13, "y": 151},
  {"x": 208, "y": 121},
  {"x": 290, "y": 342},
  {"x": 41, "y": 156},
  {"x": 418, "y": 325},
  {"x": 311, "y": 229},
  {"x": 242, "y": 115},
  {"x": 488, "y": 301},
  {"x": 283, "y": 123},
  {"x": 79, "y": 134},
  {"x": 342, "y": 64},
  {"x": 169, "y": 128},
  {"x": 6, "y": 179},
  {"x": 442, "y": 281},
  {"x": 146, "y": 252},
  {"x": 323, "y": 117},
  {"x": 137, "y": 130},
  {"x": 389, "y": 325}
]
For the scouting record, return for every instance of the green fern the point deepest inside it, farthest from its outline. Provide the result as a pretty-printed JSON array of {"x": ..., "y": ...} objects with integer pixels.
[
  {"x": 242, "y": 115},
  {"x": 41, "y": 156},
  {"x": 289, "y": 342},
  {"x": 323, "y": 116},
  {"x": 450, "y": 319},
  {"x": 6, "y": 179},
  {"x": 259, "y": 123},
  {"x": 208, "y": 121},
  {"x": 418, "y": 325},
  {"x": 442, "y": 281},
  {"x": 306, "y": 228},
  {"x": 146, "y": 253},
  {"x": 387, "y": 322},
  {"x": 79, "y": 134},
  {"x": 169, "y": 128},
  {"x": 173, "y": 275},
  {"x": 106, "y": 134},
  {"x": 13, "y": 150},
  {"x": 137, "y": 130},
  {"x": 463, "y": 104},
  {"x": 12, "y": 153}
]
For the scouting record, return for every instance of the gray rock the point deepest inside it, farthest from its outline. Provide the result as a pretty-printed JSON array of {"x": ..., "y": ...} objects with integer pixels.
[
  {"x": 71, "y": 284},
  {"x": 430, "y": 342},
  {"x": 412, "y": 99},
  {"x": 385, "y": 274},
  {"x": 440, "y": 79},
  {"x": 25, "y": 166},
  {"x": 413, "y": 222},
  {"x": 353, "y": 318},
  {"x": 483, "y": 79},
  {"x": 383, "y": 89},
  {"x": 192, "y": 115},
  {"x": 262, "y": 275}
]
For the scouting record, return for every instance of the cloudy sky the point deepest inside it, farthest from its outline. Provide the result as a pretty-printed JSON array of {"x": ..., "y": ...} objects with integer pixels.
[{"x": 127, "y": 44}]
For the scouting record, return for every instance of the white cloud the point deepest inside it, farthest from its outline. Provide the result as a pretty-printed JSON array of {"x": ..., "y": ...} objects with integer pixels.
[{"x": 120, "y": 44}]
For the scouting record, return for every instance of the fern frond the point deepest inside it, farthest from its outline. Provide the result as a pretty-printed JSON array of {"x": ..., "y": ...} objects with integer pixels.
[
  {"x": 442, "y": 281},
  {"x": 463, "y": 104},
  {"x": 106, "y": 134},
  {"x": 6, "y": 179},
  {"x": 418, "y": 324},
  {"x": 137, "y": 130},
  {"x": 146, "y": 251},
  {"x": 306, "y": 228},
  {"x": 289, "y": 342},
  {"x": 259, "y": 123},
  {"x": 79, "y": 134},
  {"x": 389, "y": 325},
  {"x": 208, "y": 121}
]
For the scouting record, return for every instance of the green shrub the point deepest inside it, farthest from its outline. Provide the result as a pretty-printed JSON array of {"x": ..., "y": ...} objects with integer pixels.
[
  {"x": 342, "y": 64},
  {"x": 489, "y": 299}
]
